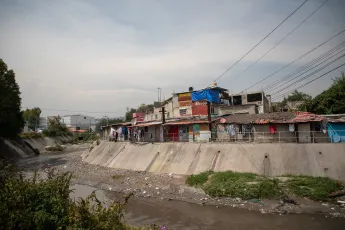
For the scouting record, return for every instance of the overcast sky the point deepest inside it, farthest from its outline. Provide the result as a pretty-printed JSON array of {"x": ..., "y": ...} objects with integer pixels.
[{"x": 103, "y": 56}]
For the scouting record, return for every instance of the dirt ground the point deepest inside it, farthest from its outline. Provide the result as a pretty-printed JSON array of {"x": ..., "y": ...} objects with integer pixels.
[{"x": 163, "y": 186}]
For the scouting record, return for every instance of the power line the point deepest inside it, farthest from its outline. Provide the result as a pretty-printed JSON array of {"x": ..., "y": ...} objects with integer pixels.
[
  {"x": 278, "y": 43},
  {"x": 275, "y": 72},
  {"x": 309, "y": 75},
  {"x": 308, "y": 82},
  {"x": 281, "y": 83},
  {"x": 306, "y": 66},
  {"x": 261, "y": 41}
]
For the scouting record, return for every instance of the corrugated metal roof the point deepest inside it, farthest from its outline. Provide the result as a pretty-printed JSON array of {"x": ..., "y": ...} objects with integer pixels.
[
  {"x": 186, "y": 122},
  {"x": 280, "y": 117},
  {"x": 147, "y": 124}
]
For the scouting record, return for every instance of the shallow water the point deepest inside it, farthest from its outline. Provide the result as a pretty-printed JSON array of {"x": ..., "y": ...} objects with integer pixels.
[{"x": 182, "y": 215}]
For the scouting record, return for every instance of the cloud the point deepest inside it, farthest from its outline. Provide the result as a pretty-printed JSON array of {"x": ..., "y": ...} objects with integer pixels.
[{"x": 87, "y": 56}]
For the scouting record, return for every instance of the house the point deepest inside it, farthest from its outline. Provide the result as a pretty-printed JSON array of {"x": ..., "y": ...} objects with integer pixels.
[{"x": 297, "y": 127}]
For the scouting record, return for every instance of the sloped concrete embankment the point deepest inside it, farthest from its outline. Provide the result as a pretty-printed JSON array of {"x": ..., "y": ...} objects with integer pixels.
[{"x": 191, "y": 158}]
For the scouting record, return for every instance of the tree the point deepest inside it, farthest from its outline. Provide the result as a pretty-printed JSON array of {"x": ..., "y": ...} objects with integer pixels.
[
  {"x": 330, "y": 101},
  {"x": 55, "y": 127},
  {"x": 107, "y": 121},
  {"x": 11, "y": 121},
  {"x": 129, "y": 114},
  {"x": 31, "y": 116},
  {"x": 145, "y": 108}
]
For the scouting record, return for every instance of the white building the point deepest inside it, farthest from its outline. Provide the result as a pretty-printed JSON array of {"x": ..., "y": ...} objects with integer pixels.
[{"x": 79, "y": 122}]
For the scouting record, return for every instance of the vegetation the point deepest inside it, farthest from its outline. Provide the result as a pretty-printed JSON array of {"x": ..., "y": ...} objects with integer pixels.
[
  {"x": 316, "y": 188},
  {"x": 31, "y": 117},
  {"x": 37, "y": 203},
  {"x": 330, "y": 101},
  {"x": 142, "y": 108},
  {"x": 252, "y": 186},
  {"x": 56, "y": 128},
  {"x": 11, "y": 120},
  {"x": 107, "y": 121},
  {"x": 295, "y": 96}
]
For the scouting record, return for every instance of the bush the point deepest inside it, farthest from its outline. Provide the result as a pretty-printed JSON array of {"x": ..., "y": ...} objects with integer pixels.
[
  {"x": 316, "y": 188},
  {"x": 233, "y": 184},
  {"x": 31, "y": 135},
  {"x": 37, "y": 203},
  {"x": 199, "y": 179}
]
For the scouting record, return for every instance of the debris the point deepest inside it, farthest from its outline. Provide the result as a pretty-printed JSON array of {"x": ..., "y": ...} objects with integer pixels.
[
  {"x": 170, "y": 174},
  {"x": 157, "y": 188},
  {"x": 324, "y": 204},
  {"x": 109, "y": 188},
  {"x": 146, "y": 178},
  {"x": 254, "y": 201},
  {"x": 144, "y": 192},
  {"x": 170, "y": 199},
  {"x": 341, "y": 202},
  {"x": 64, "y": 166},
  {"x": 238, "y": 199},
  {"x": 337, "y": 194}
]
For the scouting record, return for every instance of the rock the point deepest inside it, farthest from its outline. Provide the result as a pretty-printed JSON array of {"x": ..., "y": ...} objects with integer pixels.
[
  {"x": 157, "y": 188},
  {"x": 238, "y": 199},
  {"x": 170, "y": 199},
  {"x": 109, "y": 188},
  {"x": 324, "y": 204},
  {"x": 146, "y": 178},
  {"x": 64, "y": 166}
]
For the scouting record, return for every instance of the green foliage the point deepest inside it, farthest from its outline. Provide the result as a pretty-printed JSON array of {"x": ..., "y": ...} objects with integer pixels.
[
  {"x": 316, "y": 188},
  {"x": 83, "y": 138},
  {"x": 198, "y": 179},
  {"x": 233, "y": 184},
  {"x": 31, "y": 116},
  {"x": 107, "y": 121},
  {"x": 31, "y": 135},
  {"x": 330, "y": 101},
  {"x": 37, "y": 203},
  {"x": 129, "y": 114},
  {"x": 143, "y": 108},
  {"x": 11, "y": 121},
  {"x": 56, "y": 128}
]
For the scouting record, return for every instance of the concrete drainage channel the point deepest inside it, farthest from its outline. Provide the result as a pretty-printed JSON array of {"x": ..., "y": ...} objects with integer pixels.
[{"x": 192, "y": 158}]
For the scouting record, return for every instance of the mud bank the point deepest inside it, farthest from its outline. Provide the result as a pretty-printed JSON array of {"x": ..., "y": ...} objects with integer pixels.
[
  {"x": 164, "y": 187},
  {"x": 183, "y": 215},
  {"x": 275, "y": 159}
]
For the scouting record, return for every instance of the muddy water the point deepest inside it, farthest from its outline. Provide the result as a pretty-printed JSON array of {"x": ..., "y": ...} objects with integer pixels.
[{"x": 182, "y": 215}]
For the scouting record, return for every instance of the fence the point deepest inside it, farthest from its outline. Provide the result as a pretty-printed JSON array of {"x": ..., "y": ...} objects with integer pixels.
[
  {"x": 277, "y": 137},
  {"x": 238, "y": 137}
]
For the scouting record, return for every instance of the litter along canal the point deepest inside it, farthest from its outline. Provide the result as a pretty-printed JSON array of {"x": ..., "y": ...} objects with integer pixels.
[{"x": 182, "y": 215}]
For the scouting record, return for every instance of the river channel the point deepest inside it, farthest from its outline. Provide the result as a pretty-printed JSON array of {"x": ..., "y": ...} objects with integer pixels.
[{"x": 182, "y": 215}]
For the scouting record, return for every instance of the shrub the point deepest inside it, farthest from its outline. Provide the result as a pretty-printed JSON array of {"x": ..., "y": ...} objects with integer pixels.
[
  {"x": 316, "y": 188},
  {"x": 37, "y": 203},
  {"x": 198, "y": 179}
]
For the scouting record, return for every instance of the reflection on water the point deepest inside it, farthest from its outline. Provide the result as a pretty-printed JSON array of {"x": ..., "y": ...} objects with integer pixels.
[{"x": 182, "y": 215}]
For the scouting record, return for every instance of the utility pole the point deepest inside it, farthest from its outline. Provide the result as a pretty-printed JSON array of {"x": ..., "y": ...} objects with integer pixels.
[{"x": 163, "y": 115}]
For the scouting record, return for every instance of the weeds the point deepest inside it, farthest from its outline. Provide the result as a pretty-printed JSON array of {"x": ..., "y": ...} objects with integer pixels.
[
  {"x": 252, "y": 186},
  {"x": 116, "y": 177},
  {"x": 37, "y": 203},
  {"x": 199, "y": 179},
  {"x": 316, "y": 188}
]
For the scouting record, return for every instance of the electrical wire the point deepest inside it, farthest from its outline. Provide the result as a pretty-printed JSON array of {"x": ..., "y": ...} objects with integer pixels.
[
  {"x": 309, "y": 75},
  {"x": 261, "y": 41},
  {"x": 278, "y": 43},
  {"x": 287, "y": 65},
  {"x": 65, "y": 110},
  {"x": 291, "y": 79},
  {"x": 308, "y": 82}
]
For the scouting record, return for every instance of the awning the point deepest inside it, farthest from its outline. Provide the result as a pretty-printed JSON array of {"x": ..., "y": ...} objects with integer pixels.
[
  {"x": 186, "y": 122},
  {"x": 147, "y": 124}
]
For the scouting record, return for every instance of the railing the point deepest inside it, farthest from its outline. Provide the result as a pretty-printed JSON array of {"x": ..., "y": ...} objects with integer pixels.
[
  {"x": 238, "y": 137},
  {"x": 277, "y": 137}
]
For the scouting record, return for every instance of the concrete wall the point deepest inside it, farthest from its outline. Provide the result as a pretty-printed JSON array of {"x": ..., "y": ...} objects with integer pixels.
[
  {"x": 236, "y": 109},
  {"x": 282, "y": 135},
  {"x": 189, "y": 158}
]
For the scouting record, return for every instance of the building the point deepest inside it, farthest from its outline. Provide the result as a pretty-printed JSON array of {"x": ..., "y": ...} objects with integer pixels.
[
  {"x": 296, "y": 127},
  {"x": 79, "y": 122}
]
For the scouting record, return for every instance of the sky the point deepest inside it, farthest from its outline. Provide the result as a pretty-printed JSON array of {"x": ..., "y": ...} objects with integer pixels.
[{"x": 101, "y": 57}]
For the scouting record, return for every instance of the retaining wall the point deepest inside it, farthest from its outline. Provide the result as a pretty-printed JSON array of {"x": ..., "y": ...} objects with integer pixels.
[{"x": 273, "y": 159}]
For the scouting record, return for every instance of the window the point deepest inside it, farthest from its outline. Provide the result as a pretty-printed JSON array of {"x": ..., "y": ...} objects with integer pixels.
[
  {"x": 237, "y": 100},
  {"x": 254, "y": 97},
  {"x": 168, "y": 114},
  {"x": 183, "y": 112},
  {"x": 213, "y": 111},
  {"x": 146, "y": 129},
  {"x": 156, "y": 116},
  {"x": 316, "y": 127}
]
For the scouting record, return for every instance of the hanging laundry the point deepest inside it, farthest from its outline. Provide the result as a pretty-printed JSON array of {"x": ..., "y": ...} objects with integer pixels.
[
  {"x": 273, "y": 129},
  {"x": 292, "y": 127},
  {"x": 231, "y": 130}
]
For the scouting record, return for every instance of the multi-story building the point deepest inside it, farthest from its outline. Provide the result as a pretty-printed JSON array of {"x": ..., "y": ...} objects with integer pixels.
[{"x": 79, "y": 122}]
